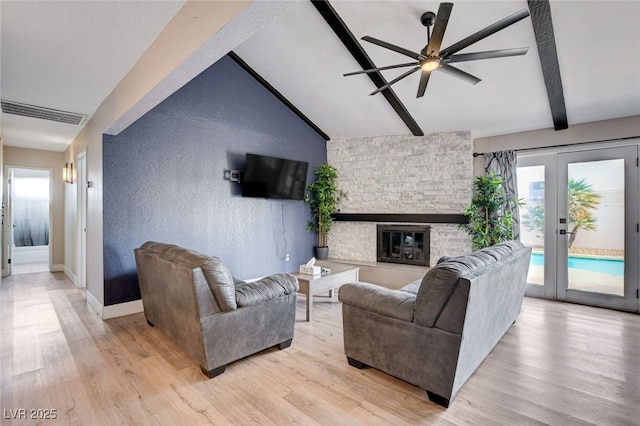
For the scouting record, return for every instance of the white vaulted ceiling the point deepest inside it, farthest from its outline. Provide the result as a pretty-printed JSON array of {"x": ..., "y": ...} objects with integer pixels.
[
  {"x": 598, "y": 44},
  {"x": 70, "y": 55}
]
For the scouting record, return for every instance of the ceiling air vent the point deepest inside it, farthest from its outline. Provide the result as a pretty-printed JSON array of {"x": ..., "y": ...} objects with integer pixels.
[{"x": 32, "y": 111}]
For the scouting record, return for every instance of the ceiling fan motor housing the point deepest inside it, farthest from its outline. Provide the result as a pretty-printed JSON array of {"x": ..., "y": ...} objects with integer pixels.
[{"x": 428, "y": 18}]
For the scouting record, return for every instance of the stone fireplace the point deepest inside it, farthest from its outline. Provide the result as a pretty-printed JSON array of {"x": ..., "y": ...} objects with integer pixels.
[
  {"x": 408, "y": 244},
  {"x": 402, "y": 180}
]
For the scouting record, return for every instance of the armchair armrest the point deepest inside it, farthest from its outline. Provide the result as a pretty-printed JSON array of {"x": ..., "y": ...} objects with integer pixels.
[
  {"x": 380, "y": 300},
  {"x": 267, "y": 288}
]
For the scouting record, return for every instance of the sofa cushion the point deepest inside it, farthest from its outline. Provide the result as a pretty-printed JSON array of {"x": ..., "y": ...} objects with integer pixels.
[
  {"x": 396, "y": 304},
  {"x": 221, "y": 283},
  {"x": 412, "y": 287},
  {"x": 218, "y": 276},
  {"x": 501, "y": 250},
  {"x": 267, "y": 288},
  {"x": 436, "y": 287},
  {"x": 441, "y": 281},
  {"x": 155, "y": 247}
]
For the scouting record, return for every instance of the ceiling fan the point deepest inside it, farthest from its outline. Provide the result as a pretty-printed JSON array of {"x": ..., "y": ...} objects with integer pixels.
[{"x": 431, "y": 58}]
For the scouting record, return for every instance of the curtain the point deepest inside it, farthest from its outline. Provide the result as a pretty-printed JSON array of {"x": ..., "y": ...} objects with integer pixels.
[
  {"x": 30, "y": 209},
  {"x": 504, "y": 163}
]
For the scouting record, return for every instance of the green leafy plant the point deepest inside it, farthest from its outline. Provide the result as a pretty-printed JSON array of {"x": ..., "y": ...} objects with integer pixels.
[
  {"x": 581, "y": 200},
  {"x": 323, "y": 197},
  {"x": 489, "y": 222}
]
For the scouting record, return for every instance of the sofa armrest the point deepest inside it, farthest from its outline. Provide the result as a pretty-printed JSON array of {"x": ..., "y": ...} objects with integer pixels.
[
  {"x": 267, "y": 288},
  {"x": 380, "y": 300}
]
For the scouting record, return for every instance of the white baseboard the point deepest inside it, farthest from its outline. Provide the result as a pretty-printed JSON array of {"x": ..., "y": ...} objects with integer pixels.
[
  {"x": 72, "y": 277},
  {"x": 122, "y": 309},
  {"x": 95, "y": 305},
  {"x": 57, "y": 267},
  {"x": 114, "y": 311}
]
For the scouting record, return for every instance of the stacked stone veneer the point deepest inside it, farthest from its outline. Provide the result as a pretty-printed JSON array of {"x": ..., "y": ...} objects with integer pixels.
[{"x": 402, "y": 174}]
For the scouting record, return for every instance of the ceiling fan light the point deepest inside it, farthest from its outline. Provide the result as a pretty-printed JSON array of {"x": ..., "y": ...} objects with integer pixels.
[{"x": 430, "y": 65}]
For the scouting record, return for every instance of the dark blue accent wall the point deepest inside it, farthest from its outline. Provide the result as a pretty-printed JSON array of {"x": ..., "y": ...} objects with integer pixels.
[{"x": 164, "y": 180}]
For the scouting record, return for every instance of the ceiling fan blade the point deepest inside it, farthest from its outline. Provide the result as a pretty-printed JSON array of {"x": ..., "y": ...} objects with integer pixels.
[
  {"x": 393, "y": 47},
  {"x": 456, "y": 72},
  {"x": 435, "y": 41},
  {"x": 390, "y": 67},
  {"x": 422, "y": 86},
  {"x": 486, "y": 32},
  {"x": 395, "y": 80},
  {"x": 489, "y": 54}
]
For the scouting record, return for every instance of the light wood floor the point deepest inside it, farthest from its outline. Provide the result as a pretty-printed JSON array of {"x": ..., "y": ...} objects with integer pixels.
[{"x": 560, "y": 364}]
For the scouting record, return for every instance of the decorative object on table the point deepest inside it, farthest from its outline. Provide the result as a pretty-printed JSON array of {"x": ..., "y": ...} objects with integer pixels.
[
  {"x": 323, "y": 197},
  {"x": 489, "y": 223},
  {"x": 310, "y": 268}
]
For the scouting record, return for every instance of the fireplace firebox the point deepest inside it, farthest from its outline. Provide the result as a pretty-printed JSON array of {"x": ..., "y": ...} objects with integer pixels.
[{"x": 407, "y": 244}]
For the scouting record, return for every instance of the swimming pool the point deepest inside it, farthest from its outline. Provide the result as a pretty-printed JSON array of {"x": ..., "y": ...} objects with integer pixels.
[{"x": 604, "y": 266}]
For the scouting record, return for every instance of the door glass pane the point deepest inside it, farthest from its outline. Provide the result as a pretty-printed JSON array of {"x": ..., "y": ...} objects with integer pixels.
[
  {"x": 595, "y": 229},
  {"x": 531, "y": 190}
]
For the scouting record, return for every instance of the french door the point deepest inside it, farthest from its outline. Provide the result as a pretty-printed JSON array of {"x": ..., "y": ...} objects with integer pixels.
[{"x": 581, "y": 216}]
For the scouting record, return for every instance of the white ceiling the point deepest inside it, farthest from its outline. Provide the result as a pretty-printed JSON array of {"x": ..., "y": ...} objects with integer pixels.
[
  {"x": 597, "y": 43},
  {"x": 70, "y": 55}
]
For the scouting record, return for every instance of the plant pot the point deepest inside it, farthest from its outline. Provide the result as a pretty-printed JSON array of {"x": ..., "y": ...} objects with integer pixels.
[{"x": 322, "y": 253}]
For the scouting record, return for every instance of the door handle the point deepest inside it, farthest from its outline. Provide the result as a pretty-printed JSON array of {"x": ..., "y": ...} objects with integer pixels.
[{"x": 564, "y": 231}]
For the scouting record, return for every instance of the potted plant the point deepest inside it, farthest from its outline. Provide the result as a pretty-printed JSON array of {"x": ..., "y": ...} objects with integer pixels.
[
  {"x": 323, "y": 198},
  {"x": 489, "y": 222}
]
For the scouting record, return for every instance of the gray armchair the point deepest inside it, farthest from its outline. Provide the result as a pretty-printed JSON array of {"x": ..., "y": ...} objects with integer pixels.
[
  {"x": 435, "y": 332},
  {"x": 215, "y": 318}
]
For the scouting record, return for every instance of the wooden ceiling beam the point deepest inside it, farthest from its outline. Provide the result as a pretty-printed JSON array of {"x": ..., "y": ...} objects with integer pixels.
[
  {"x": 545, "y": 39},
  {"x": 353, "y": 46}
]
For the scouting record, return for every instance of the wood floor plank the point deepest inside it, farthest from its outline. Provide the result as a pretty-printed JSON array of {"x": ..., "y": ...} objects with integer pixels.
[{"x": 559, "y": 364}]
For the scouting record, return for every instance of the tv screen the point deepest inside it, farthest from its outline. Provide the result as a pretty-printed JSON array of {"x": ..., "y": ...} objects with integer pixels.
[{"x": 271, "y": 177}]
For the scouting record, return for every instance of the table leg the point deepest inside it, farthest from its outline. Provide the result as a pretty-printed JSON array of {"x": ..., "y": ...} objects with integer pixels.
[{"x": 309, "y": 305}]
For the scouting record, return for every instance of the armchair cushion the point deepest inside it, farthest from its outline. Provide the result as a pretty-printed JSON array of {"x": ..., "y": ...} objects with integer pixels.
[
  {"x": 267, "y": 288},
  {"x": 218, "y": 276},
  {"x": 380, "y": 300},
  {"x": 221, "y": 283}
]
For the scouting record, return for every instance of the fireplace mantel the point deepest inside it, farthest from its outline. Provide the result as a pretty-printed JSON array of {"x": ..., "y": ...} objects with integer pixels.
[{"x": 401, "y": 217}]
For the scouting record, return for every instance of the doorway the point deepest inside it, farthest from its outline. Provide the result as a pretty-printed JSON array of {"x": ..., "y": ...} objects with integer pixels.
[
  {"x": 29, "y": 249},
  {"x": 581, "y": 216}
]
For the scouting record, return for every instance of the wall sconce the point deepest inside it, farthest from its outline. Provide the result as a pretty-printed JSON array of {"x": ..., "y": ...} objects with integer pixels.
[{"x": 67, "y": 173}]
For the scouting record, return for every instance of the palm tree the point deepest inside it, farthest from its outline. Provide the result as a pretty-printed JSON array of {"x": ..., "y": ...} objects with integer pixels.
[
  {"x": 581, "y": 200},
  {"x": 533, "y": 217}
]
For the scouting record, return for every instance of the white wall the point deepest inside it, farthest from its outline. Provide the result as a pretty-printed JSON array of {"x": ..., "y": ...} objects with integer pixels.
[{"x": 598, "y": 131}]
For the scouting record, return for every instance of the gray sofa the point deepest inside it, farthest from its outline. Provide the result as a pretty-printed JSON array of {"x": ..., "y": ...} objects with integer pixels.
[
  {"x": 435, "y": 332},
  {"x": 215, "y": 318}
]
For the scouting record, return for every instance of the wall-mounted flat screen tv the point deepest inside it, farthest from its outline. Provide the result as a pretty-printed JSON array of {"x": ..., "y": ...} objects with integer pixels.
[{"x": 272, "y": 177}]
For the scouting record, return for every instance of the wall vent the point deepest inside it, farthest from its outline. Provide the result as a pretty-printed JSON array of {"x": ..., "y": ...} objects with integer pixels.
[{"x": 42, "y": 113}]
